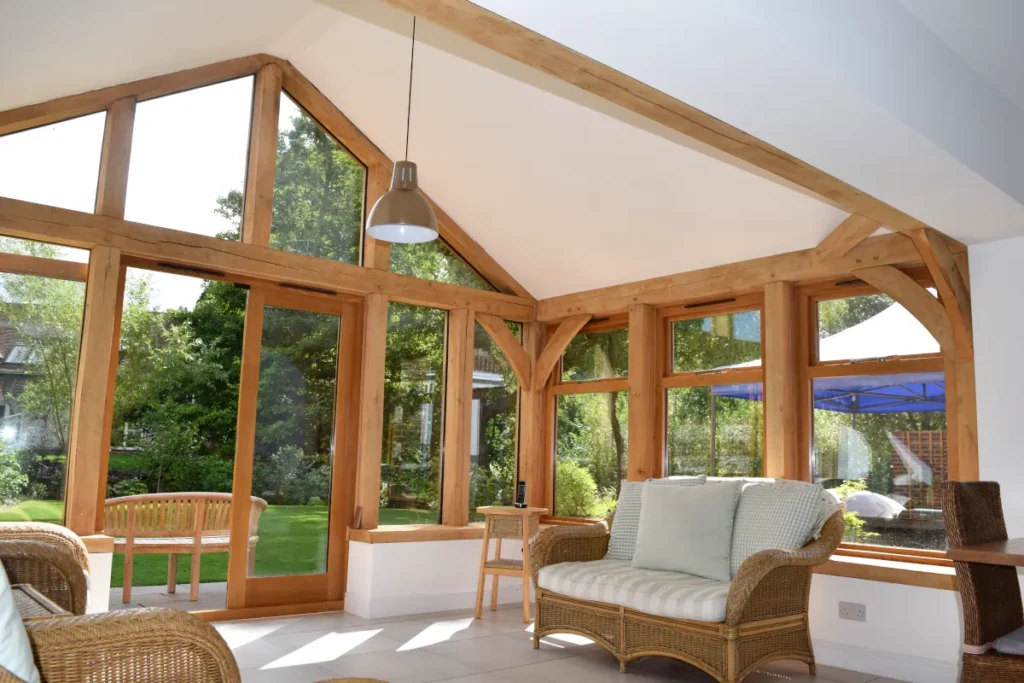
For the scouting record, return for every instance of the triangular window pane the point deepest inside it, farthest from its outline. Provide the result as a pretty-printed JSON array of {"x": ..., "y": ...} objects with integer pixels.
[
  {"x": 189, "y": 153},
  {"x": 318, "y": 190},
  {"x": 57, "y": 164},
  {"x": 435, "y": 261}
]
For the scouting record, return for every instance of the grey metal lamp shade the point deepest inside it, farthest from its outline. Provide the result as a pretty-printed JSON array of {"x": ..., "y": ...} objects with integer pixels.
[{"x": 402, "y": 214}]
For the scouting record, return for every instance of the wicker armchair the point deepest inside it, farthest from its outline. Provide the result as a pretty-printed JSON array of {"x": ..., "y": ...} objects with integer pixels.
[
  {"x": 130, "y": 646},
  {"x": 51, "y": 558},
  {"x": 990, "y": 593},
  {"x": 766, "y": 611}
]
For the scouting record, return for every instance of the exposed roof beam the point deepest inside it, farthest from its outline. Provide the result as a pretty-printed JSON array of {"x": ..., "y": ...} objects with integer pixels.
[
  {"x": 521, "y": 44},
  {"x": 845, "y": 236}
]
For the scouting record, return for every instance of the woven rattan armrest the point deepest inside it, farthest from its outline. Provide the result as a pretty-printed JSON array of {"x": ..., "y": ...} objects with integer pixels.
[
  {"x": 568, "y": 544},
  {"x": 51, "y": 569},
  {"x": 131, "y": 645},
  {"x": 758, "y": 568}
]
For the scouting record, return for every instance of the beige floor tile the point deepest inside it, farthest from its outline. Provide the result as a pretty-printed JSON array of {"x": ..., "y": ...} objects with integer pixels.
[
  {"x": 295, "y": 674},
  {"x": 416, "y": 666}
]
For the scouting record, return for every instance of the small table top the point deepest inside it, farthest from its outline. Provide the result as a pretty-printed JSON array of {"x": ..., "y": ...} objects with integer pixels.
[
  {"x": 1008, "y": 553},
  {"x": 510, "y": 510},
  {"x": 32, "y": 604}
]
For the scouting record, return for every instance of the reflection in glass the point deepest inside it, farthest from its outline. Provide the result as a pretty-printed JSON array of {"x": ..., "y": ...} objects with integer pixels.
[
  {"x": 716, "y": 341},
  {"x": 188, "y": 162},
  {"x": 591, "y": 452},
  {"x": 717, "y": 431},
  {"x": 870, "y": 326},
  {"x": 318, "y": 190},
  {"x": 57, "y": 164},
  {"x": 492, "y": 441},
  {"x": 881, "y": 445},
  {"x": 294, "y": 437},
  {"x": 413, "y": 399},
  {"x": 596, "y": 355}
]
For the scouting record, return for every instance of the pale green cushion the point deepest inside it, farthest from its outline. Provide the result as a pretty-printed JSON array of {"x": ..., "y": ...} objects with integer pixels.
[
  {"x": 687, "y": 529},
  {"x": 774, "y": 515},
  {"x": 15, "y": 651},
  {"x": 622, "y": 540}
]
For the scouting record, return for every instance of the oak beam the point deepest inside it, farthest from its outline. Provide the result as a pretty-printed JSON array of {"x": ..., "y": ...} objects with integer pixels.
[
  {"x": 911, "y": 295},
  {"x": 510, "y": 346},
  {"x": 112, "y": 184},
  {"x": 259, "y": 177},
  {"x": 781, "y": 388},
  {"x": 371, "y": 410},
  {"x": 845, "y": 236},
  {"x": 534, "y": 450},
  {"x": 644, "y": 371},
  {"x": 458, "y": 414},
  {"x": 951, "y": 284},
  {"x": 539, "y": 52},
  {"x": 555, "y": 347},
  {"x": 23, "y": 264},
  {"x": 86, "y": 230},
  {"x": 89, "y": 404},
  {"x": 376, "y": 253},
  {"x": 732, "y": 279}
]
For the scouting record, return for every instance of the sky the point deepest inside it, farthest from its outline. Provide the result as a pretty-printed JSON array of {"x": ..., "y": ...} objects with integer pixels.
[{"x": 187, "y": 149}]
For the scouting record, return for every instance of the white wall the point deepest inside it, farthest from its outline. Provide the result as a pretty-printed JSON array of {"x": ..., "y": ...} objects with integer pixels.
[{"x": 100, "y": 565}]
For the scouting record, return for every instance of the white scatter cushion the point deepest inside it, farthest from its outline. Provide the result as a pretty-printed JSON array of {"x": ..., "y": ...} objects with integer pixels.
[
  {"x": 828, "y": 505},
  {"x": 687, "y": 529},
  {"x": 778, "y": 515},
  {"x": 614, "y": 582},
  {"x": 1012, "y": 643},
  {"x": 622, "y": 541},
  {"x": 15, "y": 651}
]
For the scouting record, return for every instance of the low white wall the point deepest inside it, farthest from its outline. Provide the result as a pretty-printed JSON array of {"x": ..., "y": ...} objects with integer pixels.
[
  {"x": 390, "y": 579},
  {"x": 99, "y": 582}
]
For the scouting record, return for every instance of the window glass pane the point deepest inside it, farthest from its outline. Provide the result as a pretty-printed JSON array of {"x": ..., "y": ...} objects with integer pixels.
[
  {"x": 591, "y": 453},
  {"x": 58, "y": 164},
  {"x": 294, "y": 436},
  {"x": 717, "y": 341},
  {"x": 880, "y": 444},
  {"x": 717, "y": 431},
  {"x": 871, "y": 326},
  {"x": 14, "y": 245},
  {"x": 40, "y": 331},
  {"x": 596, "y": 355},
  {"x": 189, "y": 152},
  {"x": 435, "y": 261},
  {"x": 413, "y": 395},
  {"x": 493, "y": 430},
  {"x": 175, "y": 410},
  {"x": 318, "y": 190}
]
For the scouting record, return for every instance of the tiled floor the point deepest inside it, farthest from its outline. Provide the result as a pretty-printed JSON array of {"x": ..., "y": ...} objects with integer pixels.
[
  {"x": 456, "y": 648},
  {"x": 211, "y": 596}
]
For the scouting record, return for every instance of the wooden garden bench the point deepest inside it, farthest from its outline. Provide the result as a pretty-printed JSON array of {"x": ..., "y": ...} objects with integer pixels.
[{"x": 175, "y": 524}]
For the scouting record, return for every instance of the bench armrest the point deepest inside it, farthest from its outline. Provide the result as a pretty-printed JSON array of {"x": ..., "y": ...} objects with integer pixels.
[
  {"x": 129, "y": 645},
  {"x": 775, "y": 583},
  {"x": 568, "y": 544}
]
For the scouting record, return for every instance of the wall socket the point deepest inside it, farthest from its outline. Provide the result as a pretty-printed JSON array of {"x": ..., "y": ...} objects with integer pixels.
[{"x": 853, "y": 611}]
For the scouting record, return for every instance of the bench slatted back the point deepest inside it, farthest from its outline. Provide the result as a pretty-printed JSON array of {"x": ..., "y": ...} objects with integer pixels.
[{"x": 169, "y": 515}]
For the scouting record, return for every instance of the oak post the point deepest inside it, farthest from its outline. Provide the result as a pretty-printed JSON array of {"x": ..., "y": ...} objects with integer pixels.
[
  {"x": 458, "y": 414},
  {"x": 643, "y": 392},
  {"x": 371, "y": 410},
  {"x": 533, "y": 451},
  {"x": 781, "y": 395},
  {"x": 259, "y": 176},
  {"x": 112, "y": 185},
  {"x": 89, "y": 405}
]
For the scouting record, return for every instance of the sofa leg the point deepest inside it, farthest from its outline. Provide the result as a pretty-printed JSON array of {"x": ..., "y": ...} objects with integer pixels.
[
  {"x": 813, "y": 668},
  {"x": 622, "y": 666},
  {"x": 536, "y": 638}
]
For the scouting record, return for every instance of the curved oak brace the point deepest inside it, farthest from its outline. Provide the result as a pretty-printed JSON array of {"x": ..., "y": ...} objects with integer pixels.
[
  {"x": 555, "y": 347},
  {"x": 509, "y": 345},
  {"x": 951, "y": 285},
  {"x": 845, "y": 236},
  {"x": 915, "y": 298}
]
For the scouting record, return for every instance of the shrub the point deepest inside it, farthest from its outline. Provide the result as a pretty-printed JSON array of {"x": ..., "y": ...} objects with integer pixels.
[
  {"x": 316, "y": 500},
  {"x": 12, "y": 480},
  {"x": 128, "y": 487},
  {"x": 576, "y": 492}
]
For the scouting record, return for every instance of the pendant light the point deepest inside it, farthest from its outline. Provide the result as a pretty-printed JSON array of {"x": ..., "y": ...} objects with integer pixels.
[{"x": 403, "y": 214}]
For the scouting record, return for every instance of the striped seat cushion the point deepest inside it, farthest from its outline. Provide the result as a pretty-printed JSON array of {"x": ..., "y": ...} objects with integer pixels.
[{"x": 664, "y": 594}]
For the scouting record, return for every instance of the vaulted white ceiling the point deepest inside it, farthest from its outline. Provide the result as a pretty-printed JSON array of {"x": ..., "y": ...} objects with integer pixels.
[{"x": 566, "y": 191}]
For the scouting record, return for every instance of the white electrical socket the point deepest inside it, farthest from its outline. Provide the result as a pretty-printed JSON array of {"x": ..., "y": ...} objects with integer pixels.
[{"x": 853, "y": 611}]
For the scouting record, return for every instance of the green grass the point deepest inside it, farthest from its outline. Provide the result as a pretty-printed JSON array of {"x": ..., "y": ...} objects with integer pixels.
[{"x": 293, "y": 540}]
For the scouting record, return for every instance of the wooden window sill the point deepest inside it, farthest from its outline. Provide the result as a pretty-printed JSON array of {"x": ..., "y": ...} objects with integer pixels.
[
  {"x": 904, "y": 573},
  {"x": 98, "y": 543}
]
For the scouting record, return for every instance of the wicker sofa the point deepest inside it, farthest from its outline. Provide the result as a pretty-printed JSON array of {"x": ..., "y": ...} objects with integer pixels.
[{"x": 765, "y": 607}]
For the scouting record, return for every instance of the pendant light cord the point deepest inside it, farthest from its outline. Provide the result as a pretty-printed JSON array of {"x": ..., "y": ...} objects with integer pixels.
[{"x": 408, "y": 111}]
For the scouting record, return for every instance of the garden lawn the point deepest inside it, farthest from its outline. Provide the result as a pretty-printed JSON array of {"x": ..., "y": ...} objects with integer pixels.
[{"x": 293, "y": 540}]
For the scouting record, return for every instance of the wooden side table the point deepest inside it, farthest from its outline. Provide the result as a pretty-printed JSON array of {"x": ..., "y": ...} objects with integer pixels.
[{"x": 506, "y": 522}]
